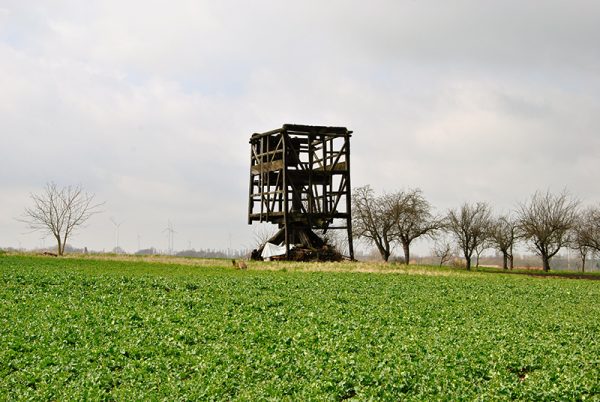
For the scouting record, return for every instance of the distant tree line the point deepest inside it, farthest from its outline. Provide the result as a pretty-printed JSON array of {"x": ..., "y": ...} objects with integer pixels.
[
  {"x": 213, "y": 253},
  {"x": 547, "y": 223}
]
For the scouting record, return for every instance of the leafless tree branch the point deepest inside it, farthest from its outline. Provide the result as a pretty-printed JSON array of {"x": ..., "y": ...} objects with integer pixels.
[{"x": 443, "y": 250}]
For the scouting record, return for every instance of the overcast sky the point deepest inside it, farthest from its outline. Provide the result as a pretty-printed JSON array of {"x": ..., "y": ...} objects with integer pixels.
[{"x": 150, "y": 104}]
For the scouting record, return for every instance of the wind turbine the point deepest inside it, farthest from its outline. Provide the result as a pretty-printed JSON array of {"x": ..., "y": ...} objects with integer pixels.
[
  {"x": 229, "y": 249},
  {"x": 117, "y": 226},
  {"x": 170, "y": 232}
]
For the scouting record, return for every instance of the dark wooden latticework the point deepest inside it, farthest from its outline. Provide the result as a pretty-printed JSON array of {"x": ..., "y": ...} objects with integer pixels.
[{"x": 300, "y": 180}]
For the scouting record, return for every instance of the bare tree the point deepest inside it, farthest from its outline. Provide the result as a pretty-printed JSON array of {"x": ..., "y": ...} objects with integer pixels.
[
  {"x": 373, "y": 219},
  {"x": 412, "y": 217},
  {"x": 580, "y": 248},
  {"x": 262, "y": 234},
  {"x": 504, "y": 235},
  {"x": 336, "y": 239},
  {"x": 443, "y": 250},
  {"x": 484, "y": 245},
  {"x": 590, "y": 227},
  {"x": 60, "y": 212},
  {"x": 470, "y": 227},
  {"x": 585, "y": 235},
  {"x": 546, "y": 220}
]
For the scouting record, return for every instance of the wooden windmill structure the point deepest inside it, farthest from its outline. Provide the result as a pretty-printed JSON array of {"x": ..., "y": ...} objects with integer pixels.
[{"x": 300, "y": 180}]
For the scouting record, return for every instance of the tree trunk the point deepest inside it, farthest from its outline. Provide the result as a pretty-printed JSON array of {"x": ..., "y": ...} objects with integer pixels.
[
  {"x": 468, "y": 263},
  {"x": 60, "y": 248},
  {"x": 511, "y": 259},
  {"x": 546, "y": 262},
  {"x": 583, "y": 263},
  {"x": 384, "y": 251},
  {"x": 504, "y": 260},
  {"x": 477, "y": 260},
  {"x": 385, "y": 254},
  {"x": 406, "y": 248}
]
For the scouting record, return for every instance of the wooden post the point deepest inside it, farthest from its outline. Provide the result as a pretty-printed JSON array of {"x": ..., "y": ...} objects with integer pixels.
[
  {"x": 260, "y": 181},
  {"x": 324, "y": 162},
  {"x": 251, "y": 186},
  {"x": 285, "y": 196},
  {"x": 349, "y": 198}
]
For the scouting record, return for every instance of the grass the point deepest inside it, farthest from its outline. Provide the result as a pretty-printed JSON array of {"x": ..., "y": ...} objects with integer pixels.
[{"x": 187, "y": 329}]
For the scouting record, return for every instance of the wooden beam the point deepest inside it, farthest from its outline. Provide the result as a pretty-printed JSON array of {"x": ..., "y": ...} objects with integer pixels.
[
  {"x": 285, "y": 200},
  {"x": 349, "y": 200},
  {"x": 267, "y": 167}
]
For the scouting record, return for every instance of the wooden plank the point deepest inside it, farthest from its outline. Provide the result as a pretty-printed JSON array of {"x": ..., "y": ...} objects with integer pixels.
[
  {"x": 301, "y": 215},
  {"x": 269, "y": 153},
  {"x": 299, "y": 128},
  {"x": 266, "y": 193},
  {"x": 340, "y": 166},
  {"x": 267, "y": 167},
  {"x": 257, "y": 136}
]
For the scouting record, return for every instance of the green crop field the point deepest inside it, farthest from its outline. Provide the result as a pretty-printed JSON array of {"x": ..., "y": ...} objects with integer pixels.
[{"x": 79, "y": 329}]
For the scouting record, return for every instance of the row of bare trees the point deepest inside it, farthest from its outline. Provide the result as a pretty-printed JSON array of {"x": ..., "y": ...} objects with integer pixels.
[
  {"x": 385, "y": 220},
  {"x": 547, "y": 222}
]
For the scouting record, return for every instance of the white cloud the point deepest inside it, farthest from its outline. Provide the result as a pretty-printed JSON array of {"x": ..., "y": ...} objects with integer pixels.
[{"x": 151, "y": 104}]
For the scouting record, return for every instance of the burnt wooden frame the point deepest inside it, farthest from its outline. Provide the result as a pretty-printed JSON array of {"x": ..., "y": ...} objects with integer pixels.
[{"x": 301, "y": 175}]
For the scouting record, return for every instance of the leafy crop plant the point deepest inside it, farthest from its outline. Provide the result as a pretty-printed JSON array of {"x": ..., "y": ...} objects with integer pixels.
[{"x": 81, "y": 329}]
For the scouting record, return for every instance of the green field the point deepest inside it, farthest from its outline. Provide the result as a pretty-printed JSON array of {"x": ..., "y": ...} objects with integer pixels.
[{"x": 76, "y": 329}]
